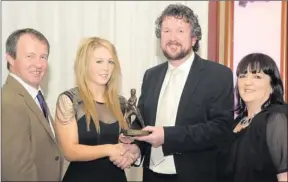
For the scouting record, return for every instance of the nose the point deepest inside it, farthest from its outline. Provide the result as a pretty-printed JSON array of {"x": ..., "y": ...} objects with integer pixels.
[
  {"x": 248, "y": 80},
  {"x": 38, "y": 63},
  {"x": 106, "y": 66},
  {"x": 172, "y": 36}
]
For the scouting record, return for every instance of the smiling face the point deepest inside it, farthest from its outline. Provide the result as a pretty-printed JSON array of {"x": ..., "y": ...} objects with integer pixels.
[
  {"x": 31, "y": 59},
  {"x": 100, "y": 66},
  {"x": 176, "y": 38},
  {"x": 254, "y": 87}
]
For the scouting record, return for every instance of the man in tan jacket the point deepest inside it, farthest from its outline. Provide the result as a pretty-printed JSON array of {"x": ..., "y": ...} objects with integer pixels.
[{"x": 29, "y": 147}]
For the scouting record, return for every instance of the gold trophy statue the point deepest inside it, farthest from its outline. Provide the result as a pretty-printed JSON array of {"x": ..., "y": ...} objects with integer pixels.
[{"x": 130, "y": 109}]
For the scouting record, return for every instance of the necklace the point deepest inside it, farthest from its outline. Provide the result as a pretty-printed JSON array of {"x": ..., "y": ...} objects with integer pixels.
[{"x": 243, "y": 123}]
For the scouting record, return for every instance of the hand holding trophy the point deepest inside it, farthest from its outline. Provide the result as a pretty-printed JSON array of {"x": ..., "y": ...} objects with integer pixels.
[{"x": 130, "y": 109}]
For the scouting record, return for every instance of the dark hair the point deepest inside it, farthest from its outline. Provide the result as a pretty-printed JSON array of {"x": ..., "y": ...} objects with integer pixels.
[
  {"x": 12, "y": 40},
  {"x": 181, "y": 12},
  {"x": 257, "y": 62}
]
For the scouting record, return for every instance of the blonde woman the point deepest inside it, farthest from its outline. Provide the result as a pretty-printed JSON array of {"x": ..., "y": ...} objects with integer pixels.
[{"x": 89, "y": 118}]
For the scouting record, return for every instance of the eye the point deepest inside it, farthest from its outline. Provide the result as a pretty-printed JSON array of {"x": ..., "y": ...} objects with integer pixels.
[
  {"x": 111, "y": 62},
  {"x": 242, "y": 76},
  {"x": 44, "y": 57},
  {"x": 99, "y": 61},
  {"x": 257, "y": 76}
]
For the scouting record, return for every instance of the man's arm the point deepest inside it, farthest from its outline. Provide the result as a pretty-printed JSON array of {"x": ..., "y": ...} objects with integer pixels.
[
  {"x": 17, "y": 155},
  {"x": 136, "y": 124},
  {"x": 202, "y": 136}
]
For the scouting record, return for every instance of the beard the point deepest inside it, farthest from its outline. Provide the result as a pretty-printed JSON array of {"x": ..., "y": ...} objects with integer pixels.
[{"x": 180, "y": 55}]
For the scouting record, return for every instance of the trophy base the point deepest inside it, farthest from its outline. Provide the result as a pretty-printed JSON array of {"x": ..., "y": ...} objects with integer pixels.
[{"x": 132, "y": 132}]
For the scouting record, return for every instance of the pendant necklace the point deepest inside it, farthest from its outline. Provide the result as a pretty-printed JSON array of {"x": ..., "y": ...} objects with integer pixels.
[{"x": 243, "y": 123}]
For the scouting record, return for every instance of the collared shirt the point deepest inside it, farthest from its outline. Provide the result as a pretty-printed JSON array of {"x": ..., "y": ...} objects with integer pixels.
[
  {"x": 33, "y": 92},
  {"x": 167, "y": 166}
]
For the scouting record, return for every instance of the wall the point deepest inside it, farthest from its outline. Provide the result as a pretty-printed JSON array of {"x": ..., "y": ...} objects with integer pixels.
[{"x": 257, "y": 28}]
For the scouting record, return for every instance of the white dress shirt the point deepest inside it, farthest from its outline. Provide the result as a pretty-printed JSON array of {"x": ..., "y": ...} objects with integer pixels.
[
  {"x": 167, "y": 108},
  {"x": 33, "y": 92}
]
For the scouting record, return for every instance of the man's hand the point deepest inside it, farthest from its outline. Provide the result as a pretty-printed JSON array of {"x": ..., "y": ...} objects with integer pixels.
[
  {"x": 134, "y": 151},
  {"x": 122, "y": 162},
  {"x": 156, "y": 138},
  {"x": 125, "y": 139},
  {"x": 131, "y": 155}
]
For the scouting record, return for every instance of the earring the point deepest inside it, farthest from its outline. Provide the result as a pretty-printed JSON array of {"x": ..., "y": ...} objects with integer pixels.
[
  {"x": 268, "y": 102},
  {"x": 242, "y": 104}
]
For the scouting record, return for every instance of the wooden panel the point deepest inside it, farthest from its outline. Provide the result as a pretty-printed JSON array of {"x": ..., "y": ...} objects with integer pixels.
[
  {"x": 286, "y": 62},
  {"x": 283, "y": 67},
  {"x": 229, "y": 32},
  {"x": 213, "y": 31}
]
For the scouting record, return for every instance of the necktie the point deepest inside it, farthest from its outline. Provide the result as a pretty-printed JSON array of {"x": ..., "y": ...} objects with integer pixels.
[
  {"x": 164, "y": 112},
  {"x": 42, "y": 104}
]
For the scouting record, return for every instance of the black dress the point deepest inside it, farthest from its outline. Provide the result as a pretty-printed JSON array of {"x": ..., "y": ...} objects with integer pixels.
[
  {"x": 259, "y": 152},
  {"x": 102, "y": 170}
]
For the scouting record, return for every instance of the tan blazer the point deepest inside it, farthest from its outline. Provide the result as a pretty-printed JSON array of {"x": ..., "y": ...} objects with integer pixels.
[{"x": 29, "y": 148}]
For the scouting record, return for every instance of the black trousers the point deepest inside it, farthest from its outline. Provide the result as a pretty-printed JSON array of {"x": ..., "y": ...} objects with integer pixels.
[{"x": 150, "y": 176}]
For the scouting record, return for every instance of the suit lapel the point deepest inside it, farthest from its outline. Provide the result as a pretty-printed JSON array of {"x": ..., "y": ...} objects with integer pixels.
[
  {"x": 31, "y": 104},
  {"x": 156, "y": 92},
  {"x": 192, "y": 81},
  {"x": 37, "y": 111}
]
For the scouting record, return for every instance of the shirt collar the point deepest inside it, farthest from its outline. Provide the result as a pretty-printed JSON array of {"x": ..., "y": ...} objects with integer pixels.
[
  {"x": 31, "y": 90},
  {"x": 185, "y": 67}
]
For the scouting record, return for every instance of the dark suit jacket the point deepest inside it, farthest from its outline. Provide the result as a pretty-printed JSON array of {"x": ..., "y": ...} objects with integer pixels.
[
  {"x": 204, "y": 117},
  {"x": 29, "y": 149}
]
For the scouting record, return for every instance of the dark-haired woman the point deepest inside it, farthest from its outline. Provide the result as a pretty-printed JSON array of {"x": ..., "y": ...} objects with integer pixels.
[{"x": 258, "y": 147}]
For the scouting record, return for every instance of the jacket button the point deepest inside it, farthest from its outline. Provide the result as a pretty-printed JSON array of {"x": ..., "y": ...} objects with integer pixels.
[{"x": 56, "y": 158}]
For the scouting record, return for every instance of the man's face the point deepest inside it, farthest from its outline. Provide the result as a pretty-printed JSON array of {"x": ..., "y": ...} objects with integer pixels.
[
  {"x": 31, "y": 60},
  {"x": 176, "y": 38}
]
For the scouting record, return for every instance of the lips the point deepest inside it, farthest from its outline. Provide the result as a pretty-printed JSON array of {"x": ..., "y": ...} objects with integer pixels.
[
  {"x": 248, "y": 90},
  {"x": 36, "y": 73},
  {"x": 103, "y": 75},
  {"x": 173, "y": 43},
  {"x": 173, "y": 47}
]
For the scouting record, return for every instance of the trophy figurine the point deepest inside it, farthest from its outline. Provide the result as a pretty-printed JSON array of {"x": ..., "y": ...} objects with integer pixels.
[{"x": 130, "y": 109}]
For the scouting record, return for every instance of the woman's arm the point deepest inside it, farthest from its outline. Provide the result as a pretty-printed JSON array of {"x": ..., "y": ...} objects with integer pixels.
[
  {"x": 67, "y": 135},
  {"x": 276, "y": 134}
]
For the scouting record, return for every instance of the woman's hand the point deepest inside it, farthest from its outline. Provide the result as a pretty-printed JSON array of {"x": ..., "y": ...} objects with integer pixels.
[
  {"x": 131, "y": 155},
  {"x": 116, "y": 151}
]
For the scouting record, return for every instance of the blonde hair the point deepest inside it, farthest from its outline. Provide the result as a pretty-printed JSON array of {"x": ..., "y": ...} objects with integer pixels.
[{"x": 111, "y": 97}]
